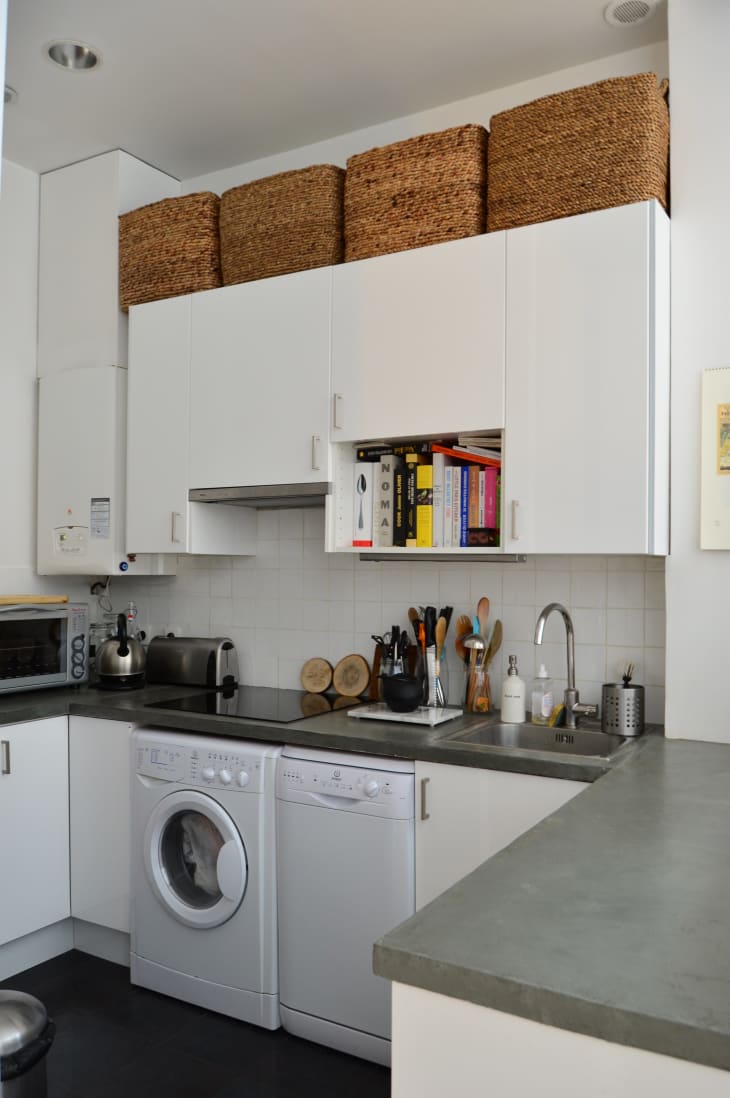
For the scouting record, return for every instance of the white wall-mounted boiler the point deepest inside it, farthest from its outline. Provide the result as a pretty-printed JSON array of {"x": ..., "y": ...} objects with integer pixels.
[{"x": 81, "y": 476}]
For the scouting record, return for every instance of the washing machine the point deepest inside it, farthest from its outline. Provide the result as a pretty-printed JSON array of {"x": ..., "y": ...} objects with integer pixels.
[{"x": 203, "y": 872}]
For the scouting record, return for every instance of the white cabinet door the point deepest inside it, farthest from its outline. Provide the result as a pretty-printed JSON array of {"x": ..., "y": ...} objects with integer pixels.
[
  {"x": 418, "y": 341},
  {"x": 260, "y": 382},
  {"x": 586, "y": 440},
  {"x": 158, "y": 423},
  {"x": 100, "y": 766},
  {"x": 160, "y": 518},
  {"x": 465, "y": 815},
  {"x": 34, "y": 851}
]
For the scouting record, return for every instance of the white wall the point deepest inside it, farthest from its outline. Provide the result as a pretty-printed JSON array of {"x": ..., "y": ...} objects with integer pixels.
[
  {"x": 478, "y": 108},
  {"x": 698, "y": 591},
  {"x": 18, "y": 290},
  {"x": 18, "y": 321},
  {"x": 292, "y": 601}
]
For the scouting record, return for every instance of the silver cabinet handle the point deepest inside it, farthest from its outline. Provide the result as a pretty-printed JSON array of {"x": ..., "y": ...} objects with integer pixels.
[
  {"x": 424, "y": 813},
  {"x": 5, "y": 750},
  {"x": 337, "y": 413},
  {"x": 515, "y": 512},
  {"x": 174, "y": 537},
  {"x": 315, "y": 451}
]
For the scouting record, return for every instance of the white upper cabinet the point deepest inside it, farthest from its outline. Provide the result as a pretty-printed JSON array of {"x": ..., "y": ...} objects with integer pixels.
[
  {"x": 418, "y": 341},
  {"x": 586, "y": 438},
  {"x": 260, "y": 382},
  {"x": 160, "y": 518},
  {"x": 79, "y": 319}
]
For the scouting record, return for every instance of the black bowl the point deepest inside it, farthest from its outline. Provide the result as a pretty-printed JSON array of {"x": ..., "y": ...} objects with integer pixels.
[{"x": 402, "y": 693}]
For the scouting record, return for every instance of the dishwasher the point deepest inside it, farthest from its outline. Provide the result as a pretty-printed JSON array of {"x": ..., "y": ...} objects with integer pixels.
[{"x": 345, "y": 876}]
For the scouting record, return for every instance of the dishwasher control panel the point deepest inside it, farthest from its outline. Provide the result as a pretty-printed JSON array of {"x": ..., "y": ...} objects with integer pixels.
[{"x": 383, "y": 792}]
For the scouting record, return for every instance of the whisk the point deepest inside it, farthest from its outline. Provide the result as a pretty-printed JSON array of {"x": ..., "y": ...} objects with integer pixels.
[{"x": 628, "y": 673}]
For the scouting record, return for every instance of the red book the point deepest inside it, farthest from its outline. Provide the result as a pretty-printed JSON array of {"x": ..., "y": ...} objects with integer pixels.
[{"x": 461, "y": 456}]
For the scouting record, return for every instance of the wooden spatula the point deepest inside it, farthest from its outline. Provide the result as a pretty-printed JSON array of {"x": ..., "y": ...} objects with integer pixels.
[
  {"x": 463, "y": 629},
  {"x": 495, "y": 643}
]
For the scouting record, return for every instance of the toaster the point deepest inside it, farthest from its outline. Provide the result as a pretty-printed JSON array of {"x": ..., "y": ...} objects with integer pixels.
[{"x": 192, "y": 661}]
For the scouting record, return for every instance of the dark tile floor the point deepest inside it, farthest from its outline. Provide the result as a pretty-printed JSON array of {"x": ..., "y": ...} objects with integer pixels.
[{"x": 118, "y": 1041}]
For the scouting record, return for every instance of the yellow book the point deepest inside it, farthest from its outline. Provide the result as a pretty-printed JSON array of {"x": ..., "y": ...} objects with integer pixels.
[{"x": 424, "y": 506}]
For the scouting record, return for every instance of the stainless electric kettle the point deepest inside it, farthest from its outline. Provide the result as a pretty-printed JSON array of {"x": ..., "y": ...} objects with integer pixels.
[{"x": 120, "y": 660}]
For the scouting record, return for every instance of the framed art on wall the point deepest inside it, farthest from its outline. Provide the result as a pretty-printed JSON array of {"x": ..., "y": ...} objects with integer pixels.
[{"x": 715, "y": 495}]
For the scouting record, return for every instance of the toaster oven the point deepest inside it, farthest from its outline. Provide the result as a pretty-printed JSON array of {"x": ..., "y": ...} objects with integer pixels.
[{"x": 43, "y": 645}]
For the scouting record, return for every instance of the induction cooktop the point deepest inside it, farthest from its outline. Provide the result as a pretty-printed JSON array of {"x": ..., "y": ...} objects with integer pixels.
[{"x": 258, "y": 703}]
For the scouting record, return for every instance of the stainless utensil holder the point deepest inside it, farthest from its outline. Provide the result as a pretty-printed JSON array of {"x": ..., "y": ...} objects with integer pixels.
[{"x": 622, "y": 709}]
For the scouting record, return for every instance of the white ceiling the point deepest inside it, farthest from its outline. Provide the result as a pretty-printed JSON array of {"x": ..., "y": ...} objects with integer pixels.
[{"x": 196, "y": 85}]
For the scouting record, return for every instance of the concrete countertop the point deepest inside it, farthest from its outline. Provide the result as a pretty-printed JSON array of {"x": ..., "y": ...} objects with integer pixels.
[
  {"x": 610, "y": 918},
  {"x": 333, "y": 731}
]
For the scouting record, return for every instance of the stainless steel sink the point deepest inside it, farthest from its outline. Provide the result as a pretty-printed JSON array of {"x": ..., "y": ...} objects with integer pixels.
[{"x": 532, "y": 737}]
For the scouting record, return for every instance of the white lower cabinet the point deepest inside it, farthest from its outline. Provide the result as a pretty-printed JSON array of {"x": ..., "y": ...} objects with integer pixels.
[
  {"x": 100, "y": 820},
  {"x": 449, "y": 1046},
  {"x": 34, "y": 852},
  {"x": 465, "y": 815}
]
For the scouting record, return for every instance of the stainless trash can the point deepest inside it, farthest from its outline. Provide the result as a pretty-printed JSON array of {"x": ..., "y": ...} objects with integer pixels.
[{"x": 26, "y": 1035}]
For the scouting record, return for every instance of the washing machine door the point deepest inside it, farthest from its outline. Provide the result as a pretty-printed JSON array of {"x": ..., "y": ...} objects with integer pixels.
[{"x": 195, "y": 859}]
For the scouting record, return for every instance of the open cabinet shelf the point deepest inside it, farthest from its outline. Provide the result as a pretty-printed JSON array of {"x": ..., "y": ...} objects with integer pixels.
[{"x": 341, "y": 505}]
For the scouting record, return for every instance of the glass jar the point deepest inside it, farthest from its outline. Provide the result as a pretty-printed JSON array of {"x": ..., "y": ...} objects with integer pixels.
[{"x": 477, "y": 696}]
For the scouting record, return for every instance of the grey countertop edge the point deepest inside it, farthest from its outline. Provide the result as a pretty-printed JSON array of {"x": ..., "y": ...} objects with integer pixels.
[
  {"x": 330, "y": 732},
  {"x": 613, "y": 1024},
  {"x": 620, "y": 899}
]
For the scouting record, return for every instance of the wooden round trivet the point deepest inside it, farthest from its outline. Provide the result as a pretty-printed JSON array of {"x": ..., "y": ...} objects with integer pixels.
[
  {"x": 351, "y": 676},
  {"x": 316, "y": 675}
]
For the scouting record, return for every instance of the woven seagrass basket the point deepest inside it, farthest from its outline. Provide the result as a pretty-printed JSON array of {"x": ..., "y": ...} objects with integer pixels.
[
  {"x": 422, "y": 191},
  {"x": 605, "y": 144},
  {"x": 287, "y": 222},
  {"x": 169, "y": 248}
]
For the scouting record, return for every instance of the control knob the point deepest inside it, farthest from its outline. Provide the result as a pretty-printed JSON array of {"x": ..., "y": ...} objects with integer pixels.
[
  {"x": 225, "y": 776},
  {"x": 209, "y": 773},
  {"x": 371, "y": 788},
  {"x": 243, "y": 778}
]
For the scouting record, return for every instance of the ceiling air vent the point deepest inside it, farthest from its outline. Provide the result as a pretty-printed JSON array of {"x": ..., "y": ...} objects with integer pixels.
[{"x": 629, "y": 13}]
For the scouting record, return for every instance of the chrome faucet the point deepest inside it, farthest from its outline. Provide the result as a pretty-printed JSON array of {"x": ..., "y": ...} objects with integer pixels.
[{"x": 574, "y": 708}]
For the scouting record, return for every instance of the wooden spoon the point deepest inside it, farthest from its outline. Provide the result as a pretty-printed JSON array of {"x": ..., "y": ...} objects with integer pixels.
[
  {"x": 463, "y": 628},
  {"x": 414, "y": 619},
  {"x": 483, "y": 614},
  {"x": 495, "y": 643}
]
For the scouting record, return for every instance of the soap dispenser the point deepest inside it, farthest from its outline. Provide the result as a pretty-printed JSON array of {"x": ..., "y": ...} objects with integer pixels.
[
  {"x": 541, "y": 695},
  {"x": 513, "y": 695}
]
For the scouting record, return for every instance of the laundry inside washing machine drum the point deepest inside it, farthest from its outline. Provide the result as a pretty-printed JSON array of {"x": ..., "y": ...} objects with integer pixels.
[{"x": 189, "y": 849}]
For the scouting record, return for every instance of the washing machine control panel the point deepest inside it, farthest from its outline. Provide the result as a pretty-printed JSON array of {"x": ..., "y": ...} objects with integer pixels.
[{"x": 233, "y": 769}]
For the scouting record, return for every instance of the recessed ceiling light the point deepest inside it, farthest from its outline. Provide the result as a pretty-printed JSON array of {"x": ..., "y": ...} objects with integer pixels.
[
  {"x": 73, "y": 56},
  {"x": 629, "y": 13},
  {"x": 10, "y": 95}
]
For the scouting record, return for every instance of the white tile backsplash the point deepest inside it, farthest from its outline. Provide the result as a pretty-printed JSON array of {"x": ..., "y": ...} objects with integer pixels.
[{"x": 292, "y": 601}]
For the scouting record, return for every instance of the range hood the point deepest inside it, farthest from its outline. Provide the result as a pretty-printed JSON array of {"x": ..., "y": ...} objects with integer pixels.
[{"x": 261, "y": 496}]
